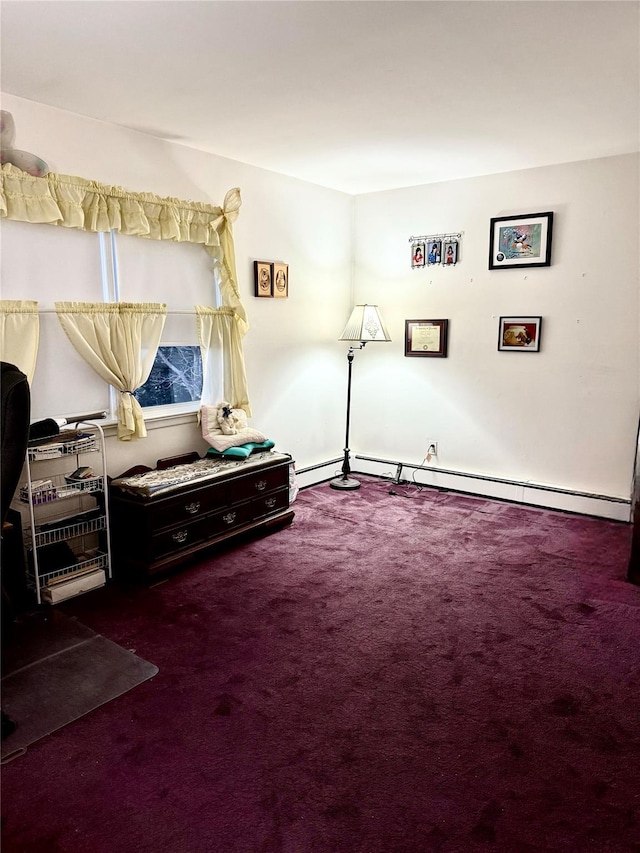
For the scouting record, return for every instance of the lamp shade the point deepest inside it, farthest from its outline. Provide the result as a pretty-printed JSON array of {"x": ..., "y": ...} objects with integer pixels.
[{"x": 365, "y": 324}]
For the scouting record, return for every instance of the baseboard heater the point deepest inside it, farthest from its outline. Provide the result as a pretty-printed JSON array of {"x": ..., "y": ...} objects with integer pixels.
[
  {"x": 569, "y": 500},
  {"x": 497, "y": 480},
  {"x": 306, "y": 470}
]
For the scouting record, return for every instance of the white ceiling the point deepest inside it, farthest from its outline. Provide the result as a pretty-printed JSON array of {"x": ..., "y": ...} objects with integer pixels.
[{"x": 358, "y": 96}]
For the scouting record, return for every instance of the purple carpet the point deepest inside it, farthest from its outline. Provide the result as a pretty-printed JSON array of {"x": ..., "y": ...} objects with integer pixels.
[{"x": 390, "y": 674}]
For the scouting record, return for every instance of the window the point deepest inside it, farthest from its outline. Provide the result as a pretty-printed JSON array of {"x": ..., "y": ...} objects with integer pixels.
[
  {"x": 51, "y": 264},
  {"x": 176, "y": 377}
]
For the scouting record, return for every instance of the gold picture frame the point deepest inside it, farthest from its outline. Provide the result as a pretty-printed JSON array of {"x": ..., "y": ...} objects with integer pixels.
[{"x": 280, "y": 281}]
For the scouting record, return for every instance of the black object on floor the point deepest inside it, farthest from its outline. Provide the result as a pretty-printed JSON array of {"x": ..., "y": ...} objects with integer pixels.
[
  {"x": 56, "y": 670},
  {"x": 8, "y": 725}
]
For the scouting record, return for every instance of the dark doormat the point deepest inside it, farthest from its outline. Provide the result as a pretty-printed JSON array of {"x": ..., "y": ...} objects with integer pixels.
[{"x": 55, "y": 670}]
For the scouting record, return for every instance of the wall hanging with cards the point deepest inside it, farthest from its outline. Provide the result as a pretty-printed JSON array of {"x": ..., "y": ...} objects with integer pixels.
[{"x": 435, "y": 250}]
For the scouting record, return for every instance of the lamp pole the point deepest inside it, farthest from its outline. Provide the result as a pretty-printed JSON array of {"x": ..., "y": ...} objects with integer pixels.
[{"x": 346, "y": 482}]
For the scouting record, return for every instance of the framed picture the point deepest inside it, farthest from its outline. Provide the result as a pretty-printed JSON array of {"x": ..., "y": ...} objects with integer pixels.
[
  {"x": 435, "y": 252},
  {"x": 281, "y": 280},
  {"x": 426, "y": 338},
  {"x": 520, "y": 241},
  {"x": 450, "y": 251},
  {"x": 263, "y": 278},
  {"x": 519, "y": 334},
  {"x": 417, "y": 255}
]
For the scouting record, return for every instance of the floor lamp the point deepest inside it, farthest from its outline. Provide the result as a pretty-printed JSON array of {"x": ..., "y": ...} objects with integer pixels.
[{"x": 365, "y": 324}]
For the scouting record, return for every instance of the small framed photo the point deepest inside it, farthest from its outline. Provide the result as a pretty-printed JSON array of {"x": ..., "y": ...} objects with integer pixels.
[
  {"x": 426, "y": 338},
  {"x": 435, "y": 252},
  {"x": 417, "y": 255},
  {"x": 519, "y": 334},
  {"x": 520, "y": 241},
  {"x": 281, "y": 280},
  {"x": 263, "y": 278},
  {"x": 450, "y": 253}
]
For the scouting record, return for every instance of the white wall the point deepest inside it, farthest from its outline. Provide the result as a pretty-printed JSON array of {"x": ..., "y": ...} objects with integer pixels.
[
  {"x": 566, "y": 416},
  {"x": 294, "y": 361}
]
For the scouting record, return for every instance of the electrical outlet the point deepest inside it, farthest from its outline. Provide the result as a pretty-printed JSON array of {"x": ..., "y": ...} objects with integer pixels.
[{"x": 432, "y": 447}]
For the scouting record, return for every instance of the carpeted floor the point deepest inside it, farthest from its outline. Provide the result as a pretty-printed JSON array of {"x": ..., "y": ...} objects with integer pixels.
[{"x": 388, "y": 675}]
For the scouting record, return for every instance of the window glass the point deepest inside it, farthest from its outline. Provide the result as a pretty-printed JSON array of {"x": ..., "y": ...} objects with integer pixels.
[{"x": 176, "y": 377}]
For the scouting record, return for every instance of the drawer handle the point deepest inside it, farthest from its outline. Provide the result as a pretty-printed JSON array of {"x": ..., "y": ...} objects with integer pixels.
[
  {"x": 180, "y": 536},
  {"x": 193, "y": 508},
  {"x": 261, "y": 485},
  {"x": 270, "y": 502},
  {"x": 229, "y": 517}
]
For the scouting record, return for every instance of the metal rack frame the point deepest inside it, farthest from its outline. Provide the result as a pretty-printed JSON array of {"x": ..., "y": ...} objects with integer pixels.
[{"x": 62, "y": 488}]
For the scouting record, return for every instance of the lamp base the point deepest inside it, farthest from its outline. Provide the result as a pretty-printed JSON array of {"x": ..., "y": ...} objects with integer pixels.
[{"x": 347, "y": 484}]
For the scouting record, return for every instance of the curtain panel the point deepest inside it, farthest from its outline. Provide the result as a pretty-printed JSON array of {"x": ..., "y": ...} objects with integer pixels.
[
  {"x": 20, "y": 334},
  {"x": 119, "y": 340},
  {"x": 220, "y": 332}
]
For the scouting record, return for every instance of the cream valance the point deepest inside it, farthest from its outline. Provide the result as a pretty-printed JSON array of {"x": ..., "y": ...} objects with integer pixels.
[{"x": 74, "y": 202}]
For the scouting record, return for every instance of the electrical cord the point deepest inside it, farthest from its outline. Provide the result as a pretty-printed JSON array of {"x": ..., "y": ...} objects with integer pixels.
[{"x": 418, "y": 486}]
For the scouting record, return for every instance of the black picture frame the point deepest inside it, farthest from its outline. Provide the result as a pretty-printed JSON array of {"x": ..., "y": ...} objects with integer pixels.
[
  {"x": 519, "y": 334},
  {"x": 426, "y": 338},
  {"x": 434, "y": 255},
  {"x": 520, "y": 242},
  {"x": 263, "y": 278},
  {"x": 450, "y": 253}
]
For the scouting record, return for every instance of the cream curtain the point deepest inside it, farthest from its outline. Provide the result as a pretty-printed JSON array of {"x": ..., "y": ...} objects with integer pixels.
[
  {"x": 119, "y": 340},
  {"x": 20, "y": 334},
  {"x": 73, "y": 202},
  {"x": 220, "y": 332}
]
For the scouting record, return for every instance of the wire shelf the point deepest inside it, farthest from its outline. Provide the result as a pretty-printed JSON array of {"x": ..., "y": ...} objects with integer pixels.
[
  {"x": 65, "y": 531},
  {"x": 90, "y": 564},
  {"x": 60, "y": 487},
  {"x": 81, "y": 444}
]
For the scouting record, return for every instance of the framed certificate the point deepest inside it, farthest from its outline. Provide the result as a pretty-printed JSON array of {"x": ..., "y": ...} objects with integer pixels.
[{"x": 426, "y": 338}]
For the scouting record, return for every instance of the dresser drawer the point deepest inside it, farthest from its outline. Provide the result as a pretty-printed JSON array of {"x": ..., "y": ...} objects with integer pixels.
[
  {"x": 212, "y": 526},
  {"x": 272, "y": 502},
  {"x": 188, "y": 507},
  {"x": 259, "y": 483}
]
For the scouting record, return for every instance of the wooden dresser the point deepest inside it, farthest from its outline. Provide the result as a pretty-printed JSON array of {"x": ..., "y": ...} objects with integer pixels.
[{"x": 159, "y": 523}]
